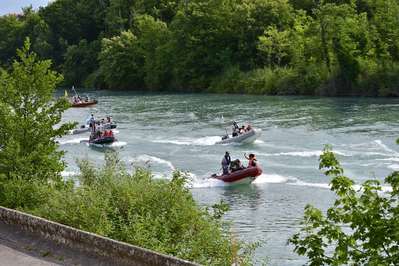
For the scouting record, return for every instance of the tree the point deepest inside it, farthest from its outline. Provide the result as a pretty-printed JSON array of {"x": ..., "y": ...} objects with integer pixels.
[
  {"x": 28, "y": 120},
  {"x": 80, "y": 62},
  {"x": 122, "y": 62},
  {"x": 361, "y": 228},
  {"x": 275, "y": 45}
]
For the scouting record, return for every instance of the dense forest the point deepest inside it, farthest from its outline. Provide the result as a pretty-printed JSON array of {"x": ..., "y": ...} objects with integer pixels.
[{"x": 308, "y": 47}]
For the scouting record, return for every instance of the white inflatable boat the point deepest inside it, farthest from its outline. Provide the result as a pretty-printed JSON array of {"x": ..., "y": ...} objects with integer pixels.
[{"x": 247, "y": 137}]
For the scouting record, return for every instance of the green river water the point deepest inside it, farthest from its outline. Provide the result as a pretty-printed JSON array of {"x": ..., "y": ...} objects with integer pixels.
[{"x": 179, "y": 131}]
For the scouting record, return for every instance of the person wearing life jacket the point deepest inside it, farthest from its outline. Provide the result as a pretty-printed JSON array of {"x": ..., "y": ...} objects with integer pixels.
[
  {"x": 251, "y": 160},
  {"x": 226, "y": 163},
  {"x": 236, "y": 129}
]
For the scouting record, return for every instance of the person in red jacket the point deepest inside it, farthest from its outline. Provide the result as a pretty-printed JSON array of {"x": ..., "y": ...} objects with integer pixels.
[{"x": 251, "y": 160}]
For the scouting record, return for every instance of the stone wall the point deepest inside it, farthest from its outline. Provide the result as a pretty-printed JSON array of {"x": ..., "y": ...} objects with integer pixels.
[{"x": 118, "y": 252}]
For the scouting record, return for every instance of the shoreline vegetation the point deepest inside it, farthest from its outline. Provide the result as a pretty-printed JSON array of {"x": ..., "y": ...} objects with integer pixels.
[
  {"x": 273, "y": 47},
  {"x": 129, "y": 206}
]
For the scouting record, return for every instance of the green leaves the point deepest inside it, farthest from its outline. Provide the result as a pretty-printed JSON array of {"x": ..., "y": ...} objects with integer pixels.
[
  {"x": 134, "y": 207},
  {"x": 28, "y": 118},
  {"x": 359, "y": 226},
  {"x": 301, "y": 47}
]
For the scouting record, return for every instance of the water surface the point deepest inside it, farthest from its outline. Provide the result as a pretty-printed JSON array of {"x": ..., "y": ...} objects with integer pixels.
[{"x": 178, "y": 131}]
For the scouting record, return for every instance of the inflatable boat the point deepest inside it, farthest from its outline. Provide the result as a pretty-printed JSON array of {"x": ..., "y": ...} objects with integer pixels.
[
  {"x": 102, "y": 140},
  {"x": 247, "y": 137},
  {"x": 244, "y": 176},
  {"x": 84, "y": 103},
  {"x": 86, "y": 128}
]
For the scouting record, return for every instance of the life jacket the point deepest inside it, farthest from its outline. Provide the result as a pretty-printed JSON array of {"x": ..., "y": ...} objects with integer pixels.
[{"x": 252, "y": 162}]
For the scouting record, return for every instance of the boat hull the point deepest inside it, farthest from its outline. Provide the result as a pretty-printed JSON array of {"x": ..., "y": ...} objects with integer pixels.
[
  {"x": 245, "y": 176},
  {"x": 80, "y": 130},
  {"x": 246, "y": 138},
  {"x": 84, "y": 104},
  {"x": 103, "y": 140}
]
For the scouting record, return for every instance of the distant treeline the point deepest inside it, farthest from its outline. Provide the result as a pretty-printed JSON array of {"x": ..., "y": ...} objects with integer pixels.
[{"x": 308, "y": 47}]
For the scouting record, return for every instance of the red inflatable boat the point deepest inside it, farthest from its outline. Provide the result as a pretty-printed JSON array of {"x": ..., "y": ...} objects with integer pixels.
[
  {"x": 84, "y": 103},
  {"x": 245, "y": 176}
]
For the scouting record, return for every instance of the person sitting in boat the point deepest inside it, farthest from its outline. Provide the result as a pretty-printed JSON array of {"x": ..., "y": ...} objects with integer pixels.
[
  {"x": 242, "y": 130},
  {"x": 236, "y": 165},
  {"x": 235, "y": 132},
  {"x": 251, "y": 160},
  {"x": 249, "y": 128},
  {"x": 226, "y": 163},
  {"x": 109, "y": 119}
]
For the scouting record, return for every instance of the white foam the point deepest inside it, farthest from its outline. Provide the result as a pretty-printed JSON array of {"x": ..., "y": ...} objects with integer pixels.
[
  {"x": 207, "y": 183},
  {"x": 117, "y": 144},
  {"x": 306, "y": 184},
  {"x": 385, "y": 147},
  {"x": 394, "y": 167},
  {"x": 315, "y": 153},
  {"x": 390, "y": 159},
  {"x": 157, "y": 175},
  {"x": 271, "y": 178},
  {"x": 192, "y": 116},
  {"x": 148, "y": 158},
  {"x": 219, "y": 119},
  {"x": 356, "y": 187},
  {"x": 68, "y": 173},
  {"x": 205, "y": 141},
  {"x": 71, "y": 141},
  {"x": 258, "y": 141}
]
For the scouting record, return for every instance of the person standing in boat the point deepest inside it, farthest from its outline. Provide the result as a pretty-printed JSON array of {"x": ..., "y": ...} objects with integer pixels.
[
  {"x": 251, "y": 160},
  {"x": 236, "y": 129},
  {"x": 226, "y": 163}
]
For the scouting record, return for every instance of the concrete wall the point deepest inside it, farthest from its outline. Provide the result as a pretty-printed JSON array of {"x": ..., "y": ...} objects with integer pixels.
[{"x": 118, "y": 252}]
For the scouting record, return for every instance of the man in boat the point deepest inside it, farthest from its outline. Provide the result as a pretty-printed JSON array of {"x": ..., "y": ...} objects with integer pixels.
[
  {"x": 242, "y": 130},
  {"x": 226, "y": 163},
  {"x": 236, "y": 165},
  {"x": 251, "y": 160},
  {"x": 236, "y": 129},
  {"x": 91, "y": 120}
]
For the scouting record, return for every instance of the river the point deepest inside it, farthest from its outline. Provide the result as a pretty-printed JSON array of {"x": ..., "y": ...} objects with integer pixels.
[{"x": 179, "y": 131}]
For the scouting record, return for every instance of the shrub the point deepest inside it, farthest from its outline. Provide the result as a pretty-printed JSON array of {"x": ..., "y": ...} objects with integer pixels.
[
  {"x": 359, "y": 229},
  {"x": 138, "y": 209}
]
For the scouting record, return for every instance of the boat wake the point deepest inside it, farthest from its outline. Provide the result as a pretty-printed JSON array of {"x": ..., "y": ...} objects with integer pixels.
[
  {"x": 71, "y": 141},
  {"x": 148, "y": 160},
  {"x": 205, "y": 141}
]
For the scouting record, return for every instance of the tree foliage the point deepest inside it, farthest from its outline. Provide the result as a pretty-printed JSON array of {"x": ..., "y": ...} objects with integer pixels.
[
  {"x": 329, "y": 47},
  {"x": 28, "y": 117},
  {"x": 359, "y": 229},
  {"x": 134, "y": 207}
]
